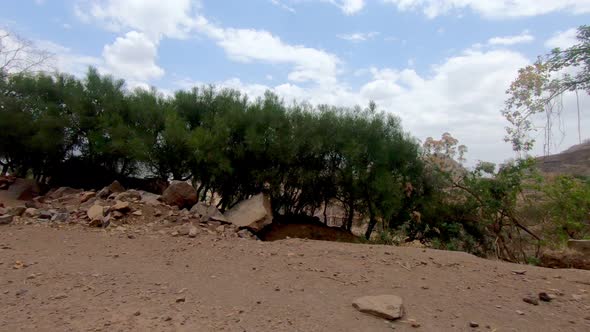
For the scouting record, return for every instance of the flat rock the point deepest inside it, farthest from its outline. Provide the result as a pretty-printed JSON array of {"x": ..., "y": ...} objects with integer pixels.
[
  {"x": 207, "y": 212},
  {"x": 384, "y": 306},
  {"x": 254, "y": 213},
  {"x": 120, "y": 206},
  {"x": 95, "y": 212}
]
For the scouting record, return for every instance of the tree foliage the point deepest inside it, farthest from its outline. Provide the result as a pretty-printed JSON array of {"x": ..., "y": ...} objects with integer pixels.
[
  {"x": 539, "y": 87},
  {"x": 87, "y": 132}
]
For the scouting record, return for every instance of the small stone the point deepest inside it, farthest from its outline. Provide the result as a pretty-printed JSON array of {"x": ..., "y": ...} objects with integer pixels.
[
  {"x": 60, "y": 217},
  {"x": 130, "y": 236},
  {"x": 21, "y": 292},
  {"x": 220, "y": 229},
  {"x": 175, "y": 233},
  {"x": 193, "y": 232},
  {"x": 531, "y": 300},
  {"x": 137, "y": 313},
  {"x": 180, "y": 299},
  {"x": 473, "y": 324},
  {"x": 138, "y": 213},
  {"x": 384, "y": 306},
  {"x": 545, "y": 297},
  {"x": 167, "y": 318},
  {"x": 60, "y": 296},
  {"x": 30, "y": 212},
  {"x": 519, "y": 272},
  {"x": 520, "y": 312}
]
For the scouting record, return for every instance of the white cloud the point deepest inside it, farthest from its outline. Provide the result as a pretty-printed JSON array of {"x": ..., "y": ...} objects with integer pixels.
[
  {"x": 350, "y": 7},
  {"x": 133, "y": 57},
  {"x": 494, "y": 8},
  {"x": 247, "y": 45},
  {"x": 155, "y": 18},
  {"x": 358, "y": 36},
  {"x": 281, "y": 5},
  {"x": 563, "y": 39},
  {"x": 524, "y": 37}
]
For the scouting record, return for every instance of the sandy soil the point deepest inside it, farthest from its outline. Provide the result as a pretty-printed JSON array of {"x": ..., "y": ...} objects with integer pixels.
[{"x": 81, "y": 279}]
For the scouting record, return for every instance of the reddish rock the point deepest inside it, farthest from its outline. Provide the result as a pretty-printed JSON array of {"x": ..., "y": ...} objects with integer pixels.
[{"x": 180, "y": 194}]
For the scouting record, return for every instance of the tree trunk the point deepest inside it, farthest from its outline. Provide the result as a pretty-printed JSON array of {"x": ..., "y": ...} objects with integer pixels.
[
  {"x": 4, "y": 169},
  {"x": 372, "y": 222}
]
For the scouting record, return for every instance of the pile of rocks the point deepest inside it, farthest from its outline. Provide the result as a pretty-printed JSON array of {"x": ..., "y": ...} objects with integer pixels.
[{"x": 176, "y": 212}]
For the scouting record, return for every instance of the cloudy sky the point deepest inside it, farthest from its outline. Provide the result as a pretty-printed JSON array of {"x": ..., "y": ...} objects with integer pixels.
[{"x": 441, "y": 65}]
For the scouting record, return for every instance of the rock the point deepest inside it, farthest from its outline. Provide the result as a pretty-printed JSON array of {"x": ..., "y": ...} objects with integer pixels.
[
  {"x": 207, "y": 212},
  {"x": 32, "y": 204},
  {"x": 116, "y": 187},
  {"x": 61, "y": 192},
  {"x": 473, "y": 324},
  {"x": 531, "y": 300},
  {"x": 180, "y": 299},
  {"x": 245, "y": 234},
  {"x": 521, "y": 313},
  {"x": 17, "y": 211},
  {"x": 6, "y": 219},
  {"x": 180, "y": 194},
  {"x": 95, "y": 212},
  {"x": 86, "y": 196},
  {"x": 31, "y": 212},
  {"x": 193, "y": 231},
  {"x": 137, "y": 213},
  {"x": 60, "y": 217},
  {"x": 545, "y": 297},
  {"x": 43, "y": 214},
  {"x": 120, "y": 206},
  {"x": 117, "y": 214},
  {"x": 220, "y": 229},
  {"x": 129, "y": 195},
  {"x": 104, "y": 193},
  {"x": 254, "y": 213},
  {"x": 150, "y": 199},
  {"x": 384, "y": 306},
  {"x": 582, "y": 246}
]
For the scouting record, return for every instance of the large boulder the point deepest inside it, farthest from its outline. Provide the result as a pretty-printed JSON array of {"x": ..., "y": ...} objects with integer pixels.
[
  {"x": 207, "y": 212},
  {"x": 180, "y": 194},
  {"x": 384, "y": 306},
  {"x": 254, "y": 213}
]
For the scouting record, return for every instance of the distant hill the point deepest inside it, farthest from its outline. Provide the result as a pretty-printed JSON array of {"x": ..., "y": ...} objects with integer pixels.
[{"x": 573, "y": 161}]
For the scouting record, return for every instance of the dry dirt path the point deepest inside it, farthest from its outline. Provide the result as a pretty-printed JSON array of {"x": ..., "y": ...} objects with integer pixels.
[{"x": 79, "y": 279}]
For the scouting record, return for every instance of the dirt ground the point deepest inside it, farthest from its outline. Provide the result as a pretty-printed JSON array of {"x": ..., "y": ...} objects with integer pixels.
[{"x": 81, "y": 279}]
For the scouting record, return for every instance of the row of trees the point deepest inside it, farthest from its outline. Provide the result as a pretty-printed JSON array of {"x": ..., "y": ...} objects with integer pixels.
[{"x": 86, "y": 132}]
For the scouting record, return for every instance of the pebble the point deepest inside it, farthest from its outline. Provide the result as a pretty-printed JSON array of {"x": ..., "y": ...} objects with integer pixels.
[
  {"x": 545, "y": 297},
  {"x": 473, "y": 324},
  {"x": 531, "y": 300},
  {"x": 520, "y": 312}
]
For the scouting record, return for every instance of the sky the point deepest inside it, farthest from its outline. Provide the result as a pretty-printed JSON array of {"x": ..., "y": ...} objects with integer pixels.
[{"x": 440, "y": 65}]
